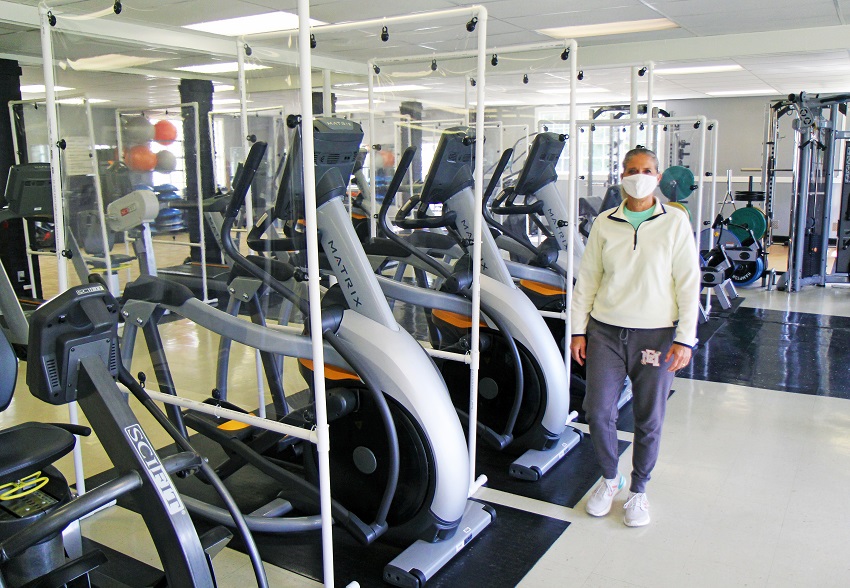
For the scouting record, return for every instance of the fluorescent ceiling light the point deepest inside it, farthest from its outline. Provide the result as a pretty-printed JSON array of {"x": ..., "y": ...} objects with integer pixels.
[
  {"x": 348, "y": 84},
  {"x": 223, "y": 87},
  {"x": 697, "y": 69},
  {"x": 79, "y": 101},
  {"x": 251, "y": 25},
  {"x": 398, "y": 88},
  {"x": 40, "y": 89},
  {"x": 222, "y": 67},
  {"x": 761, "y": 92},
  {"x": 610, "y": 28},
  {"x": 110, "y": 61},
  {"x": 590, "y": 90}
]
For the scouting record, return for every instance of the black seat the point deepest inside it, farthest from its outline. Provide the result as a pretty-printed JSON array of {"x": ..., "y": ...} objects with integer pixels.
[{"x": 27, "y": 447}]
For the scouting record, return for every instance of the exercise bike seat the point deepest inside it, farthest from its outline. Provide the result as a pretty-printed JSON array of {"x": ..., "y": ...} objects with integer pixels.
[
  {"x": 30, "y": 447},
  {"x": 27, "y": 447}
]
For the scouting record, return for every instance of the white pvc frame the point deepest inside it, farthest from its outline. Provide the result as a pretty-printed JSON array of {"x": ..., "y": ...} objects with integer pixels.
[
  {"x": 305, "y": 78},
  {"x": 62, "y": 274},
  {"x": 58, "y": 210},
  {"x": 473, "y": 358},
  {"x": 480, "y": 53}
]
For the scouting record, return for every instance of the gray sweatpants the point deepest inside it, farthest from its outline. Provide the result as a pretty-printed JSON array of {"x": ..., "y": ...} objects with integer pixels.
[{"x": 612, "y": 354}]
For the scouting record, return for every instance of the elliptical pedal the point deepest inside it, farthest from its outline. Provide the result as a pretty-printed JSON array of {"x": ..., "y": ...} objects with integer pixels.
[
  {"x": 533, "y": 464},
  {"x": 417, "y": 564}
]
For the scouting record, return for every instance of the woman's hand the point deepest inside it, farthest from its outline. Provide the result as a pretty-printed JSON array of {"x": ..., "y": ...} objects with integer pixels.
[
  {"x": 681, "y": 355},
  {"x": 578, "y": 348}
]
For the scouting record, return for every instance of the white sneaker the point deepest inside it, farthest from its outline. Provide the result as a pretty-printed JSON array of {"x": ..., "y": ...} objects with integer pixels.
[
  {"x": 600, "y": 501},
  {"x": 637, "y": 510}
]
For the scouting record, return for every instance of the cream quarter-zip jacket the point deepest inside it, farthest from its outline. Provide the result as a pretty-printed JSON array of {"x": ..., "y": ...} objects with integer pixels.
[{"x": 644, "y": 278}]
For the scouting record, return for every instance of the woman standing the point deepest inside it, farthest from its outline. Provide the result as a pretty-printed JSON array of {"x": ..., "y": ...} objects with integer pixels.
[{"x": 634, "y": 313}]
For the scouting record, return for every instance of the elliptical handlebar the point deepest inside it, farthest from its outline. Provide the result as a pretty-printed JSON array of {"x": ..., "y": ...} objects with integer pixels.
[
  {"x": 403, "y": 165},
  {"x": 497, "y": 174},
  {"x": 533, "y": 208},
  {"x": 422, "y": 222},
  {"x": 243, "y": 182},
  {"x": 392, "y": 189}
]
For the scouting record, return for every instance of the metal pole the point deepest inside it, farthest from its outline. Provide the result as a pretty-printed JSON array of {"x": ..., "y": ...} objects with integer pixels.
[
  {"x": 714, "y": 128},
  {"x": 58, "y": 210},
  {"x": 201, "y": 224},
  {"x": 476, "y": 248},
  {"x": 771, "y": 136},
  {"x": 650, "y": 88},
  {"x": 466, "y": 101},
  {"x": 473, "y": 52},
  {"x": 633, "y": 109},
  {"x": 572, "y": 192},
  {"x": 327, "y": 103},
  {"x": 364, "y": 24},
  {"x": 373, "y": 222},
  {"x": 225, "y": 413},
  {"x": 701, "y": 171},
  {"x": 314, "y": 294},
  {"x": 241, "y": 48},
  {"x": 54, "y": 151},
  {"x": 829, "y": 172},
  {"x": 700, "y": 178},
  {"x": 120, "y": 135},
  {"x": 107, "y": 253},
  {"x": 243, "y": 120},
  {"x": 798, "y": 233}
]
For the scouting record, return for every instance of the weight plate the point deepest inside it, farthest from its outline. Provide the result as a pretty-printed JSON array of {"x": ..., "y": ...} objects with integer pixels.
[
  {"x": 746, "y": 273},
  {"x": 724, "y": 237},
  {"x": 677, "y": 183},
  {"x": 751, "y": 218}
]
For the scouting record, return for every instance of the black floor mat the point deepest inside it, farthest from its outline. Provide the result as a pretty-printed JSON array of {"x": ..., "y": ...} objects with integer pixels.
[
  {"x": 778, "y": 350},
  {"x": 519, "y": 538},
  {"x": 716, "y": 319},
  {"x": 497, "y": 558},
  {"x": 564, "y": 485}
]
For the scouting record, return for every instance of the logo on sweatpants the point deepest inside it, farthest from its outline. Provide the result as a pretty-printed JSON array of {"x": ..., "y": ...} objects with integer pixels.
[{"x": 650, "y": 357}]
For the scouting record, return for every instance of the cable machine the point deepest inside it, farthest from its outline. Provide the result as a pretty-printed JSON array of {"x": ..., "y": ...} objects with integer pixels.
[{"x": 817, "y": 125}]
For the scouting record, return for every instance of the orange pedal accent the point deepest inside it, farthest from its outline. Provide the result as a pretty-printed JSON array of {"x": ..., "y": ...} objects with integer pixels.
[
  {"x": 331, "y": 372},
  {"x": 234, "y": 425},
  {"x": 540, "y": 288},
  {"x": 457, "y": 320},
  {"x": 354, "y": 215}
]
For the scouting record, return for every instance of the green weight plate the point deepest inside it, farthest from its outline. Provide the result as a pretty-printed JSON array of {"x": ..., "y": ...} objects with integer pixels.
[
  {"x": 751, "y": 218},
  {"x": 677, "y": 183}
]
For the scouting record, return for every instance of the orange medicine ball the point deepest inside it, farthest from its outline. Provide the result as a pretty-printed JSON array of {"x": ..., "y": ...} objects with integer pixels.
[
  {"x": 165, "y": 132},
  {"x": 140, "y": 158}
]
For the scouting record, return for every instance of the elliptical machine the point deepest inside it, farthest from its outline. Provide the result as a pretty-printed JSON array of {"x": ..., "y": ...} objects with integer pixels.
[
  {"x": 74, "y": 356},
  {"x": 391, "y": 393},
  {"x": 523, "y": 388},
  {"x": 541, "y": 270}
]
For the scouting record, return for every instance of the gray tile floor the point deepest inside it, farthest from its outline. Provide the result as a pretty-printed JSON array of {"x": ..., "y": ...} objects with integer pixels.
[{"x": 750, "y": 488}]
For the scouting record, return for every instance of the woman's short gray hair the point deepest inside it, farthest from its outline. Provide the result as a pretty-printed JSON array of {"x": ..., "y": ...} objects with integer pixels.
[{"x": 640, "y": 151}]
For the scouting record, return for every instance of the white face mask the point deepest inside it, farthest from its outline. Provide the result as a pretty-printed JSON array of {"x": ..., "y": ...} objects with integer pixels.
[{"x": 639, "y": 185}]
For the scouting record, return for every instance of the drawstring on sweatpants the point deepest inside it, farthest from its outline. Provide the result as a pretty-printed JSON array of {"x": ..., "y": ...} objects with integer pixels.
[{"x": 624, "y": 335}]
